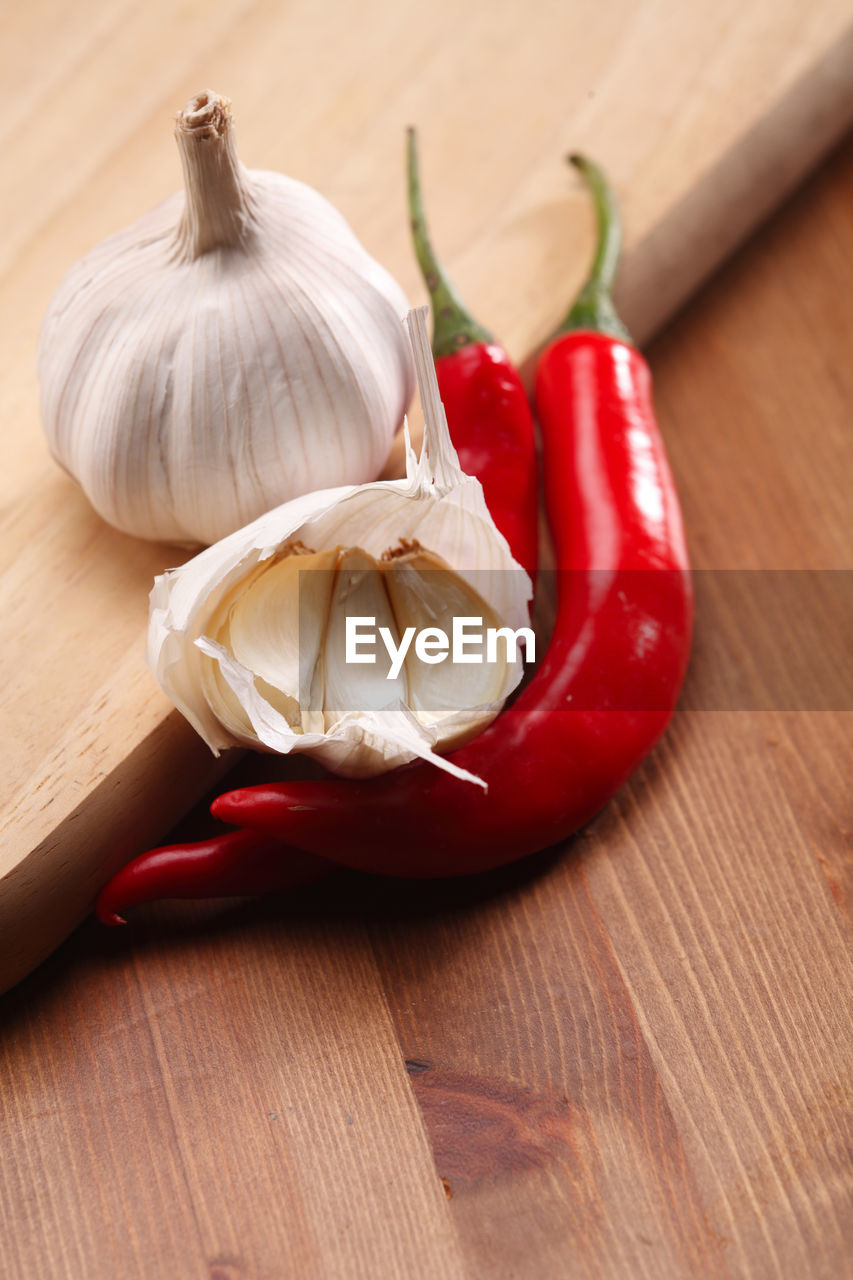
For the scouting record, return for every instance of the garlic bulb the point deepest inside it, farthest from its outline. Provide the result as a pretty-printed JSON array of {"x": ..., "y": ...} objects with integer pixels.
[
  {"x": 232, "y": 349},
  {"x": 249, "y": 639}
]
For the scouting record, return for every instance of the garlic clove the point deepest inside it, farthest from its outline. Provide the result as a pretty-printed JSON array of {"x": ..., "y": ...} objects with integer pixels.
[
  {"x": 276, "y": 628},
  {"x": 426, "y": 594},
  {"x": 359, "y": 592}
]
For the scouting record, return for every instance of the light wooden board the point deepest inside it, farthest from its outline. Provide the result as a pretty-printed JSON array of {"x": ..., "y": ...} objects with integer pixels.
[
  {"x": 628, "y": 1059},
  {"x": 705, "y": 114}
]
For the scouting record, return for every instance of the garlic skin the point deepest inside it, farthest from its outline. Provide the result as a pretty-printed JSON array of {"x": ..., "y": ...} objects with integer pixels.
[
  {"x": 229, "y": 646},
  {"x": 232, "y": 349}
]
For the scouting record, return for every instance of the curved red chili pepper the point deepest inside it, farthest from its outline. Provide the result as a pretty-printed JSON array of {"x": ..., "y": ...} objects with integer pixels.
[
  {"x": 237, "y": 864},
  {"x": 610, "y": 679},
  {"x": 492, "y": 429}
]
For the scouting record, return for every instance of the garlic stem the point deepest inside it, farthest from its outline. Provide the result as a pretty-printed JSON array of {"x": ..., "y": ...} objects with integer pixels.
[
  {"x": 445, "y": 461},
  {"x": 219, "y": 206}
]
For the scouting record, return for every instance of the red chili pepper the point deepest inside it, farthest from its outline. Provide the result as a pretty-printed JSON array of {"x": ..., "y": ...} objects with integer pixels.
[
  {"x": 237, "y": 864},
  {"x": 610, "y": 679},
  {"x": 492, "y": 429},
  {"x": 487, "y": 410}
]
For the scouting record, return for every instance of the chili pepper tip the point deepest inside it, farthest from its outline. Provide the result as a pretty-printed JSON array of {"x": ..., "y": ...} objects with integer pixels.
[{"x": 106, "y": 916}]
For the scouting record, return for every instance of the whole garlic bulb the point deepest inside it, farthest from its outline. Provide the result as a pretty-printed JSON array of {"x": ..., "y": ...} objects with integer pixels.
[
  {"x": 232, "y": 349},
  {"x": 247, "y": 639}
]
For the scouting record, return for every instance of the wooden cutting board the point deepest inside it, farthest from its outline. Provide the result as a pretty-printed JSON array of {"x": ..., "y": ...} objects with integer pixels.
[{"x": 705, "y": 115}]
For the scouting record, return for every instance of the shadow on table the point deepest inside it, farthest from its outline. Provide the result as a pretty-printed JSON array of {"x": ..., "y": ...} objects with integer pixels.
[{"x": 346, "y": 902}]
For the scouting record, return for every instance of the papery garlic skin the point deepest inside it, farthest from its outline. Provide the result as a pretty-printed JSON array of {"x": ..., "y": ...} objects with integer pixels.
[
  {"x": 231, "y": 702},
  {"x": 232, "y": 349}
]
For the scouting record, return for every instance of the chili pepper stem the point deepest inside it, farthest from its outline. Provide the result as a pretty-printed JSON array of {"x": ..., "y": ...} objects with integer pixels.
[
  {"x": 453, "y": 325},
  {"x": 593, "y": 309}
]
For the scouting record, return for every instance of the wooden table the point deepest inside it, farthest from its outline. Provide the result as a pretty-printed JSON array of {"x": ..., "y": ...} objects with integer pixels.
[
  {"x": 705, "y": 115},
  {"x": 629, "y": 1057}
]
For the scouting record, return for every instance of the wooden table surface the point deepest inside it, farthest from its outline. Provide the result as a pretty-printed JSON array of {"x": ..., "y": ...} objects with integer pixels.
[
  {"x": 629, "y": 1057},
  {"x": 705, "y": 114}
]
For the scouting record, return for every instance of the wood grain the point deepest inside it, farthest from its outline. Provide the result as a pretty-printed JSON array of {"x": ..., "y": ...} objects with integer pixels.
[
  {"x": 706, "y": 114},
  {"x": 626, "y": 1058}
]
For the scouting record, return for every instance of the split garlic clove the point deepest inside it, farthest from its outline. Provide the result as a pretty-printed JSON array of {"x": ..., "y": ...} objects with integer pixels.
[
  {"x": 359, "y": 592},
  {"x": 234, "y": 348},
  {"x": 249, "y": 639},
  {"x": 262, "y": 627},
  {"x": 426, "y": 597}
]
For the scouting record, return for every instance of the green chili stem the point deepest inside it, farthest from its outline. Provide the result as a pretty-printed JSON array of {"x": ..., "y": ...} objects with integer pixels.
[
  {"x": 593, "y": 308},
  {"x": 453, "y": 326}
]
